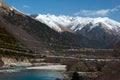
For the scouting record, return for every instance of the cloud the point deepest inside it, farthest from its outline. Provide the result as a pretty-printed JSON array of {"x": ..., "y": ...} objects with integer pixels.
[
  {"x": 117, "y": 8},
  {"x": 103, "y": 12},
  {"x": 93, "y": 13},
  {"x": 25, "y": 6}
]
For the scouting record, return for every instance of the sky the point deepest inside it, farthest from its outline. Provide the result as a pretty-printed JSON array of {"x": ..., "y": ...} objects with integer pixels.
[{"x": 82, "y": 8}]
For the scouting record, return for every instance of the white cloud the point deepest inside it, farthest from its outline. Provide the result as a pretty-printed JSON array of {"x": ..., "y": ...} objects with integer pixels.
[
  {"x": 25, "y": 6},
  {"x": 103, "y": 12},
  {"x": 93, "y": 13},
  {"x": 117, "y": 8}
]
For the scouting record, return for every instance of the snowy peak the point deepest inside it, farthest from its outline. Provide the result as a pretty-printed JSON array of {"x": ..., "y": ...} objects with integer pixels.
[
  {"x": 50, "y": 21},
  {"x": 77, "y": 23},
  {"x": 57, "y": 23}
]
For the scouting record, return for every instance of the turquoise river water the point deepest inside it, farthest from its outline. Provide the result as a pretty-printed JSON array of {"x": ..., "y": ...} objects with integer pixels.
[{"x": 25, "y": 74}]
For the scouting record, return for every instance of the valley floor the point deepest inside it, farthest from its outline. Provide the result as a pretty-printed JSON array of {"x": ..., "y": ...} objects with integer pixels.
[{"x": 88, "y": 67}]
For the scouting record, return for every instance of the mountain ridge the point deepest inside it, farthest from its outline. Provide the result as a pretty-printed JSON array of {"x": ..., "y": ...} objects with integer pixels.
[
  {"x": 98, "y": 29},
  {"x": 69, "y": 20},
  {"x": 36, "y": 35}
]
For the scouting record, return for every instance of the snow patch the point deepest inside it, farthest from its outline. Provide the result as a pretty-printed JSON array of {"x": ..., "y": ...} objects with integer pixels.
[{"x": 11, "y": 9}]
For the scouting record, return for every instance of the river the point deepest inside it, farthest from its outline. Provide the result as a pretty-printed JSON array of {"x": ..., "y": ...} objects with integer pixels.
[{"x": 30, "y": 74}]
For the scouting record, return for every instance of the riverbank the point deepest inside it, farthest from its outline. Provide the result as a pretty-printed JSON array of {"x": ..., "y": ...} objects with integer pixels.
[
  {"x": 45, "y": 67},
  {"x": 50, "y": 67}
]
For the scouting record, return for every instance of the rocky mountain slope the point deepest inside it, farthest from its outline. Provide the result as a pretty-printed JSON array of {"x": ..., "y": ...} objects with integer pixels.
[
  {"x": 103, "y": 30},
  {"x": 36, "y": 35},
  {"x": 52, "y": 32}
]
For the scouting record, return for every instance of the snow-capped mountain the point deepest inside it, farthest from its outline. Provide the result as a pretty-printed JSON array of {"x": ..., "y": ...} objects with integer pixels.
[
  {"x": 77, "y": 23},
  {"x": 104, "y": 30},
  {"x": 58, "y": 31},
  {"x": 26, "y": 30},
  {"x": 33, "y": 34}
]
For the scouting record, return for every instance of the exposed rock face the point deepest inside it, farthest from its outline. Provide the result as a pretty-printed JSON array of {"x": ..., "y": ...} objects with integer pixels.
[{"x": 10, "y": 61}]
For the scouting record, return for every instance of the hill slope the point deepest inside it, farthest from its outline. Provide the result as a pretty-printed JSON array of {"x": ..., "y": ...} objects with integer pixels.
[{"x": 36, "y": 35}]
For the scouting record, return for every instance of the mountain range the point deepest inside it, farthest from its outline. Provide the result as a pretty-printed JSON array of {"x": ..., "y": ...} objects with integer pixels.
[
  {"x": 39, "y": 32},
  {"x": 101, "y": 30},
  {"x": 34, "y": 34}
]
